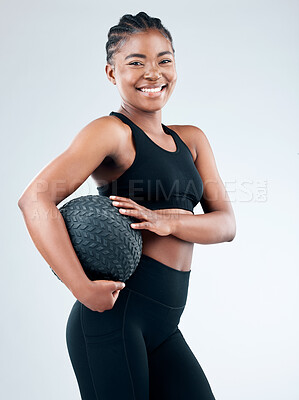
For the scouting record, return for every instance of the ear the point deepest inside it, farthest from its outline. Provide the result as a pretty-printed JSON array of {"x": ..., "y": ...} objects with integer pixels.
[{"x": 109, "y": 69}]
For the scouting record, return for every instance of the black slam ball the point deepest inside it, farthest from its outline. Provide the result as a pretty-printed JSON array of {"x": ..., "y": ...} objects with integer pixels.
[{"x": 105, "y": 243}]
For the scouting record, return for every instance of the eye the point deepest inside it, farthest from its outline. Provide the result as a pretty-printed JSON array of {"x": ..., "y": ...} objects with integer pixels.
[
  {"x": 166, "y": 60},
  {"x": 134, "y": 62}
]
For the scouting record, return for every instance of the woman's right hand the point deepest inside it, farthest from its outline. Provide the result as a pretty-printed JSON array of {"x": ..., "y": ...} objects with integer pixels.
[{"x": 99, "y": 295}]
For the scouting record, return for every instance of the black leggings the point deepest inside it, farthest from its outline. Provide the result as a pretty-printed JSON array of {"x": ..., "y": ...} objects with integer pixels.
[{"x": 135, "y": 351}]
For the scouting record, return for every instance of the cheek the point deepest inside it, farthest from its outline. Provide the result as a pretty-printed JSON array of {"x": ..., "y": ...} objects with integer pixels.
[
  {"x": 174, "y": 75},
  {"x": 125, "y": 88},
  {"x": 128, "y": 84},
  {"x": 171, "y": 76}
]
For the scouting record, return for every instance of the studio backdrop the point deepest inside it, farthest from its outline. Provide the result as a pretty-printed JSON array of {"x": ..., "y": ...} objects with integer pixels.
[{"x": 237, "y": 65}]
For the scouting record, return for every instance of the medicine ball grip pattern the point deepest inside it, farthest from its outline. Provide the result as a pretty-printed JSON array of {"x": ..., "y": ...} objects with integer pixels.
[{"x": 105, "y": 243}]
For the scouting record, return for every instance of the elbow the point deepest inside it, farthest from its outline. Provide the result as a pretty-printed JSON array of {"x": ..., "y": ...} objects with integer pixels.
[
  {"x": 232, "y": 233},
  {"x": 231, "y": 229},
  {"x": 21, "y": 203},
  {"x": 25, "y": 201},
  {"x": 231, "y": 237},
  {"x": 30, "y": 203}
]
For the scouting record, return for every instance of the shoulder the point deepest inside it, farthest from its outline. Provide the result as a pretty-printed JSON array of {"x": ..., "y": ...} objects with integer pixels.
[
  {"x": 101, "y": 134},
  {"x": 107, "y": 123},
  {"x": 191, "y": 135},
  {"x": 105, "y": 128}
]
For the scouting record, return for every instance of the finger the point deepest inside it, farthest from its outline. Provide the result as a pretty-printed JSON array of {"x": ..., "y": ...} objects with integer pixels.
[
  {"x": 122, "y": 204},
  {"x": 118, "y": 198},
  {"x": 117, "y": 285},
  {"x": 124, "y": 199},
  {"x": 134, "y": 213},
  {"x": 142, "y": 225},
  {"x": 115, "y": 294}
]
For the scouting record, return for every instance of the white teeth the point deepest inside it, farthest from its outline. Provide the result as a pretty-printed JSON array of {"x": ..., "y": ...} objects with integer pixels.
[{"x": 151, "y": 90}]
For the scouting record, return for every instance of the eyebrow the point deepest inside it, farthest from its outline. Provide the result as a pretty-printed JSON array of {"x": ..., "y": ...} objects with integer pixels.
[{"x": 144, "y": 56}]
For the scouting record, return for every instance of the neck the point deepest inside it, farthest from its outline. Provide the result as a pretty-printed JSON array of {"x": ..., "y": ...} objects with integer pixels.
[{"x": 148, "y": 121}]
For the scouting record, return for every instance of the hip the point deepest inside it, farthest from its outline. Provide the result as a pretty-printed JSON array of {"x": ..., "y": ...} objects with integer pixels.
[{"x": 151, "y": 303}]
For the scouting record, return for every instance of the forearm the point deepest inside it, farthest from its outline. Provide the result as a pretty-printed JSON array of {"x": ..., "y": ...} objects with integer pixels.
[
  {"x": 47, "y": 229},
  {"x": 209, "y": 228}
]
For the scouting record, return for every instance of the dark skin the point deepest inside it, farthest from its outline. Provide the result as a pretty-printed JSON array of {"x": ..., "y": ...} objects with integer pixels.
[
  {"x": 159, "y": 231},
  {"x": 104, "y": 149}
]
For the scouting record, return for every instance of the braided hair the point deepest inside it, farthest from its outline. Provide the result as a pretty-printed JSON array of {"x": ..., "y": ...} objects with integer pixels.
[{"x": 128, "y": 25}]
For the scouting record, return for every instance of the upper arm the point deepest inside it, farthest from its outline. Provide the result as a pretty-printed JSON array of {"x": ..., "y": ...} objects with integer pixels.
[
  {"x": 63, "y": 175},
  {"x": 215, "y": 197}
]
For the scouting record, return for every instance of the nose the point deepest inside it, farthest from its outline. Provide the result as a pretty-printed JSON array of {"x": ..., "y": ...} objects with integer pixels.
[{"x": 152, "y": 72}]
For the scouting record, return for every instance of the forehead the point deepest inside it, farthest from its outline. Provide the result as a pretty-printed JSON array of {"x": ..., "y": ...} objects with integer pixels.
[{"x": 145, "y": 43}]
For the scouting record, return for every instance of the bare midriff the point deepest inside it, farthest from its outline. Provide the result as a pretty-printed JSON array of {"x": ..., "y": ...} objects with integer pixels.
[{"x": 169, "y": 250}]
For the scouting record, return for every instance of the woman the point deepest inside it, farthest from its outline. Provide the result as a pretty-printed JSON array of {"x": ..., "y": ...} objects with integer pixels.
[{"x": 123, "y": 340}]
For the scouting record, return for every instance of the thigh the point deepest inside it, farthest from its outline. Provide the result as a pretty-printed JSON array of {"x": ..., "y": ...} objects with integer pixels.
[
  {"x": 175, "y": 373},
  {"x": 113, "y": 353},
  {"x": 78, "y": 355}
]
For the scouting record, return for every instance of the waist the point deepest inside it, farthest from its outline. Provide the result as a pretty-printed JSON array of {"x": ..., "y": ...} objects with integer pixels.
[
  {"x": 160, "y": 282},
  {"x": 169, "y": 250}
]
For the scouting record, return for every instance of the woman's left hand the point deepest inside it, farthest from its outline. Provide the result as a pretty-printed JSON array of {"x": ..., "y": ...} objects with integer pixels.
[{"x": 161, "y": 224}]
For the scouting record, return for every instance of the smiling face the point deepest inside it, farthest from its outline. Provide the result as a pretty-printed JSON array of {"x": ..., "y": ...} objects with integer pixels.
[{"x": 146, "y": 60}]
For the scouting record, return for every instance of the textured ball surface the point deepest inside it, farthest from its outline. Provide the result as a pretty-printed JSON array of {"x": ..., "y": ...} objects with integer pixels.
[{"x": 105, "y": 243}]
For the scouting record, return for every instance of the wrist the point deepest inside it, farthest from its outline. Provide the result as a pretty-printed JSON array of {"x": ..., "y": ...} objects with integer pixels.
[
  {"x": 80, "y": 286},
  {"x": 174, "y": 223}
]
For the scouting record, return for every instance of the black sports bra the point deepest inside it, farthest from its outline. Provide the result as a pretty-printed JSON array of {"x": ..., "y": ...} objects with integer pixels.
[{"x": 157, "y": 178}]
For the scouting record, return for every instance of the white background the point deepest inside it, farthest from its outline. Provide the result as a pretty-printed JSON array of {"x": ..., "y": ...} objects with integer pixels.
[{"x": 237, "y": 64}]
